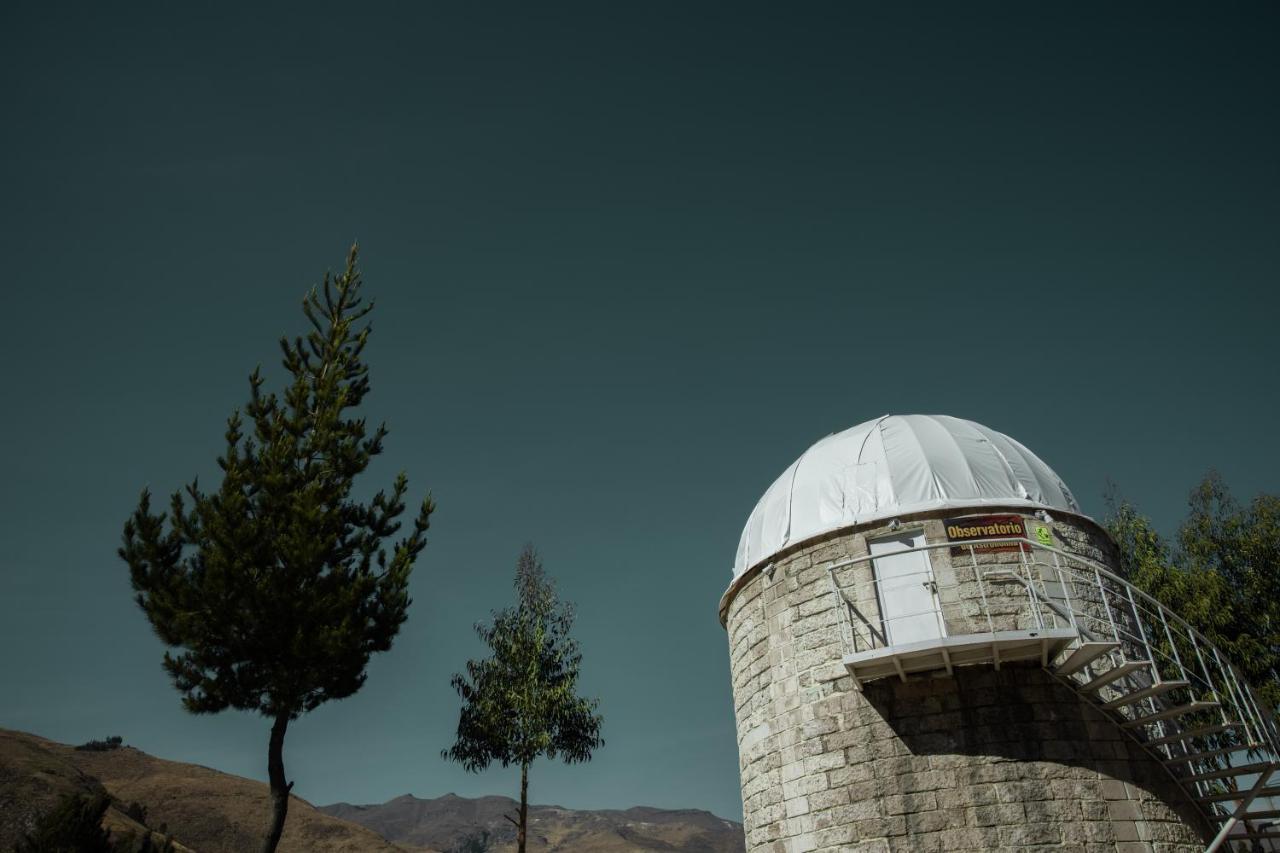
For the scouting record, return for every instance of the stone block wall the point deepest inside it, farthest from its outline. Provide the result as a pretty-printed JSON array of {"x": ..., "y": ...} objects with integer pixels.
[{"x": 984, "y": 760}]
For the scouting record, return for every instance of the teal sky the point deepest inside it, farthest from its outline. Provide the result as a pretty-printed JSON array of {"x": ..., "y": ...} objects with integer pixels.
[{"x": 630, "y": 261}]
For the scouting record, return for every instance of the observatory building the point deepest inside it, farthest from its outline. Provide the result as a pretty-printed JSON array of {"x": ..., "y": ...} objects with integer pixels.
[{"x": 932, "y": 649}]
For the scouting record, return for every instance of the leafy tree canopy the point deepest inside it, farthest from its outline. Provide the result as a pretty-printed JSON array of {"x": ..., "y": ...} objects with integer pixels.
[
  {"x": 522, "y": 702},
  {"x": 1221, "y": 572}
]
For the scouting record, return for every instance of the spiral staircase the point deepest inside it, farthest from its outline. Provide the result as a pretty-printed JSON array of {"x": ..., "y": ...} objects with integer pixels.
[{"x": 1162, "y": 682}]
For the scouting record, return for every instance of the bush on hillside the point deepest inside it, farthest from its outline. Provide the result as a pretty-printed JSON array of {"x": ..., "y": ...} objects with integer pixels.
[
  {"x": 113, "y": 742},
  {"x": 75, "y": 823}
]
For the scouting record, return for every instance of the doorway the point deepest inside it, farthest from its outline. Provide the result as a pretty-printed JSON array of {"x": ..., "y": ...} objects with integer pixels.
[{"x": 909, "y": 608}]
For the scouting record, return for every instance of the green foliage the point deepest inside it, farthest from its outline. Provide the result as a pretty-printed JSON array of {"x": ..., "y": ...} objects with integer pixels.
[
  {"x": 113, "y": 742},
  {"x": 276, "y": 588},
  {"x": 74, "y": 825},
  {"x": 521, "y": 702},
  {"x": 1221, "y": 574}
]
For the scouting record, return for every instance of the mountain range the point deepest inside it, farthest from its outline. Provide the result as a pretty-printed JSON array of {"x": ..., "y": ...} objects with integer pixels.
[
  {"x": 442, "y": 823},
  {"x": 207, "y": 811}
]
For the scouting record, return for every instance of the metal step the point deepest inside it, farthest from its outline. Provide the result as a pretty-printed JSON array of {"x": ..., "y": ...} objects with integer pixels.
[
  {"x": 1235, "y": 795},
  {"x": 1225, "y": 773},
  {"x": 1189, "y": 733},
  {"x": 1083, "y": 655},
  {"x": 1123, "y": 669},
  {"x": 1138, "y": 695},
  {"x": 1168, "y": 714},
  {"x": 1201, "y": 778},
  {"x": 1208, "y": 753},
  {"x": 1253, "y": 834}
]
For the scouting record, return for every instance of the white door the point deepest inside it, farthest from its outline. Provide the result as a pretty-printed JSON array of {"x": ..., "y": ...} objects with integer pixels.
[{"x": 908, "y": 600}]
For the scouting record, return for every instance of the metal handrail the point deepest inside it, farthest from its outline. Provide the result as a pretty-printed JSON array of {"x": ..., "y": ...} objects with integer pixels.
[{"x": 1255, "y": 717}]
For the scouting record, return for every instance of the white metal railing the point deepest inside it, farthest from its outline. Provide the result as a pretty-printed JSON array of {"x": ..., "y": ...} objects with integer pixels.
[{"x": 1192, "y": 703}]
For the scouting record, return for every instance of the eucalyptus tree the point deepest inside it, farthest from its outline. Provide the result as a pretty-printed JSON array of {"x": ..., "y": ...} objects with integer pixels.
[
  {"x": 521, "y": 702},
  {"x": 1220, "y": 572},
  {"x": 274, "y": 590}
]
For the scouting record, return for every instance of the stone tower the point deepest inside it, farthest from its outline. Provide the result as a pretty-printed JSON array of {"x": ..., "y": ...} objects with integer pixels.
[{"x": 931, "y": 650}]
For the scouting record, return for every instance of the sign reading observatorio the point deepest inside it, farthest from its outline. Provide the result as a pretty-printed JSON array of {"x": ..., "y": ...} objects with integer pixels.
[{"x": 975, "y": 528}]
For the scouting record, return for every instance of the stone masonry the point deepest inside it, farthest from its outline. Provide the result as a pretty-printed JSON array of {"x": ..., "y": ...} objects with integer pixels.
[{"x": 980, "y": 760}]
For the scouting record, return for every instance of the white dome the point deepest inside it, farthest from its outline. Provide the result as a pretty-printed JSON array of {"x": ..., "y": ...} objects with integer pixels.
[{"x": 891, "y": 466}]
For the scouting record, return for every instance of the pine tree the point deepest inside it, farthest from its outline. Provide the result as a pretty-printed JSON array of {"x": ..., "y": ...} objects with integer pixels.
[
  {"x": 275, "y": 589},
  {"x": 521, "y": 702}
]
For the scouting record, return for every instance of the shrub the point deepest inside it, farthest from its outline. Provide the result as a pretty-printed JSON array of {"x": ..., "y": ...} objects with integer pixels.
[
  {"x": 75, "y": 823},
  {"x": 113, "y": 742}
]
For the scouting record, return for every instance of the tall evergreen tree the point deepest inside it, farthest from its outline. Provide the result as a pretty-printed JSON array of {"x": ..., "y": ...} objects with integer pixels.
[
  {"x": 521, "y": 702},
  {"x": 276, "y": 588}
]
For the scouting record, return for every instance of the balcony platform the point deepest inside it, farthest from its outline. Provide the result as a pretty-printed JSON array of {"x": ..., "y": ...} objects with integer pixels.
[{"x": 945, "y": 653}]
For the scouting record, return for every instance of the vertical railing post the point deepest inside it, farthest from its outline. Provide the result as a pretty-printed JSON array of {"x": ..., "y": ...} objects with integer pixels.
[
  {"x": 1142, "y": 634},
  {"x": 1246, "y": 696},
  {"x": 1066, "y": 591},
  {"x": 982, "y": 590},
  {"x": 878, "y": 589},
  {"x": 1229, "y": 696},
  {"x": 848, "y": 633},
  {"x": 937, "y": 595},
  {"x": 1241, "y": 710},
  {"x": 1267, "y": 731},
  {"x": 1213, "y": 688},
  {"x": 1036, "y": 615},
  {"x": 1177, "y": 658},
  {"x": 1102, "y": 590}
]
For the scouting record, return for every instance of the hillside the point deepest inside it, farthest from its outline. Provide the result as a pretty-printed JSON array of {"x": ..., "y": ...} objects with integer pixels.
[
  {"x": 441, "y": 822},
  {"x": 204, "y": 810}
]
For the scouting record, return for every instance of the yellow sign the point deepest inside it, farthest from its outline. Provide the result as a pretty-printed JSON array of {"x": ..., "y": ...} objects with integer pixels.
[{"x": 971, "y": 528}]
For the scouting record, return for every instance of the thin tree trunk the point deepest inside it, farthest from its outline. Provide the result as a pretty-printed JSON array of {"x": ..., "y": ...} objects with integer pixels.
[
  {"x": 279, "y": 788},
  {"x": 522, "y": 833}
]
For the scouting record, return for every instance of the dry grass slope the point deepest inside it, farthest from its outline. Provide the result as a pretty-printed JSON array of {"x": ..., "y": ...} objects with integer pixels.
[
  {"x": 210, "y": 812},
  {"x": 204, "y": 810}
]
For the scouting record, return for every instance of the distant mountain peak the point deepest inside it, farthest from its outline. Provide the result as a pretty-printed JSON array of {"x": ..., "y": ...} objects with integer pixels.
[{"x": 438, "y": 824}]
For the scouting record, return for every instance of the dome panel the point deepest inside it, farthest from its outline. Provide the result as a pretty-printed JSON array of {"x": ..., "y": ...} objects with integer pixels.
[{"x": 895, "y": 465}]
